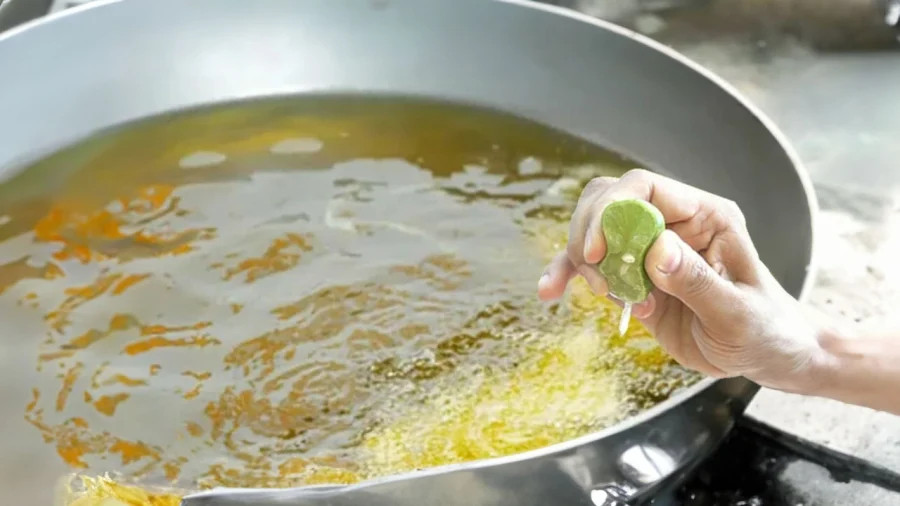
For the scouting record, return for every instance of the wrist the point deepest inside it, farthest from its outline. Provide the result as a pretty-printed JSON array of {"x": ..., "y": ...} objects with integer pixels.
[
  {"x": 827, "y": 359},
  {"x": 857, "y": 370},
  {"x": 810, "y": 374},
  {"x": 804, "y": 361}
]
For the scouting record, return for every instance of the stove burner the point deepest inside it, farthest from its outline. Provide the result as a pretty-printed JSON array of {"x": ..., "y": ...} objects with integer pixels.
[{"x": 757, "y": 465}]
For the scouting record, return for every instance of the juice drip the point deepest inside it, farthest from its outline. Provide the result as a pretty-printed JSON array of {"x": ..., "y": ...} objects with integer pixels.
[{"x": 625, "y": 319}]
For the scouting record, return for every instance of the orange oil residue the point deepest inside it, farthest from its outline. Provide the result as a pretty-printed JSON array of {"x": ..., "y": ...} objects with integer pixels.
[
  {"x": 68, "y": 382},
  {"x": 87, "y": 235},
  {"x": 200, "y": 377},
  {"x": 442, "y": 272},
  {"x": 282, "y": 254},
  {"x": 83, "y": 341},
  {"x": 193, "y": 392},
  {"x": 74, "y": 231},
  {"x": 71, "y": 440},
  {"x": 122, "y": 321},
  {"x": 107, "y": 404},
  {"x": 149, "y": 330},
  {"x": 194, "y": 429},
  {"x": 264, "y": 348},
  {"x": 13, "y": 272},
  {"x": 77, "y": 296},
  {"x": 72, "y": 454},
  {"x": 49, "y": 357},
  {"x": 172, "y": 470},
  {"x": 331, "y": 303},
  {"x": 102, "y": 224},
  {"x": 118, "y": 322},
  {"x": 95, "y": 377},
  {"x": 235, "y": 409},
  {"x": 127, "y": 282},
  {"x": 88, "y": 292},
  {"x": 152, "y": 343},
  {"x": 181, "y": 249},
  {"x": 49, "y": 227},
  {"x": 295, "y": 465},
  {"x": 74, "y": 441},
  {"x": 35, "y": 397},
  {"x": 132, "y": 452},
  {"x": 155, "y": 196},
  {"x": 52, "y": 271},
  {"x": 125, "y": 380}
]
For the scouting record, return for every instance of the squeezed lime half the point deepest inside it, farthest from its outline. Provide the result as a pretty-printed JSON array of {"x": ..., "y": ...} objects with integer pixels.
[{"x": 630, "y": 227}]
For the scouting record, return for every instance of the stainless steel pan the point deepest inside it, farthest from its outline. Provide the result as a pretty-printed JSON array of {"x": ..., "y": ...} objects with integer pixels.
[{"x": 75, "y": 73}]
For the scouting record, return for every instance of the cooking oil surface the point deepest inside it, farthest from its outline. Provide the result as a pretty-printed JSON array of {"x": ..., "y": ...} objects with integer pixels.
[{"x": 310, "y": 291}]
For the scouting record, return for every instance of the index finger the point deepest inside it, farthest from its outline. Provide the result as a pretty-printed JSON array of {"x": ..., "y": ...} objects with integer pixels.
[
  {"x": 581, "y": 216},
  {"x": 676, "y": 201}
]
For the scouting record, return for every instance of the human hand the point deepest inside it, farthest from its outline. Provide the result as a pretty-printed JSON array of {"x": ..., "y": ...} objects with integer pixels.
[{"x": 716, "y": 308}]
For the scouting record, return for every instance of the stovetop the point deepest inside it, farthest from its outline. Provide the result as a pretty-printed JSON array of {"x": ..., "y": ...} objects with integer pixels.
[{"x": 758, "y": 465}]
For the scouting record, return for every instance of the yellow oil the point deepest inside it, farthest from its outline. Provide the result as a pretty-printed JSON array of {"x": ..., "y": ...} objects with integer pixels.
[
  {"x": 359, "y": 307},
  {"x": 102, "y": 491}
]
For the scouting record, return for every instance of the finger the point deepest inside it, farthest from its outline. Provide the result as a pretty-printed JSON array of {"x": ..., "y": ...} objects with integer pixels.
[
  {"x": 676, "y": 338},
  {"x": 582, "y": 216},
  {"x": 683, "y": 348},
  {"x": 556, "y": 276},
  {"x": 678, "y": 270},
  {"x": 615, "y": 301},
  {"x": 644, "y": 310},
  {"x": 597, "y": 186},
  {"x": 594, "y": 279},
  {"x": 661, "y": 302},
  {"x": 594, "y": 248},
  {"x": 706, "y": 214},
  {"x": 675, "y": 200}
]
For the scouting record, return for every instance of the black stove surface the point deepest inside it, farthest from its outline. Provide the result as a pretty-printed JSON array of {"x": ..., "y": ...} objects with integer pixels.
[{"x": 758, "y": 465}]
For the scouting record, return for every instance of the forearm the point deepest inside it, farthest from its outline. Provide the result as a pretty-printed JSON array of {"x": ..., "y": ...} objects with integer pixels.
[{"x": 864, "y": 371}]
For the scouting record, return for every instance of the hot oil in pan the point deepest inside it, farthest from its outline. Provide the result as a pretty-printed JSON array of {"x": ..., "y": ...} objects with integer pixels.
[{"x": 311, "y": 291}]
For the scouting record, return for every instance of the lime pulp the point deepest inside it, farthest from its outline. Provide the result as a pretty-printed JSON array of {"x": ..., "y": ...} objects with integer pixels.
[{"x": 630, "y": 228}]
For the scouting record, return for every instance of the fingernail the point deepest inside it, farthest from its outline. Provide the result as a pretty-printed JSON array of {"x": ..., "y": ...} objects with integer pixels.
[
  {"x": 671, "y": 253},
  {"x": 588, "y": 245},
  {"x": 542, "y": 283},
  {"x": 644, "y": 309}
]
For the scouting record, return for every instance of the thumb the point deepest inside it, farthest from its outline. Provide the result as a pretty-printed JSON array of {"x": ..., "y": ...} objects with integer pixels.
[{"x": 678, "y": 270}]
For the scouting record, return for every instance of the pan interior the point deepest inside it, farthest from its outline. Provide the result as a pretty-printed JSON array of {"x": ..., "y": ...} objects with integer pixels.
[{"x": 318, "y": 290}]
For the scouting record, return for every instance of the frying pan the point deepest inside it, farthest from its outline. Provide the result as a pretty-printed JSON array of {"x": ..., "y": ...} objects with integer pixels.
[{"x": 91, "y": 68}]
